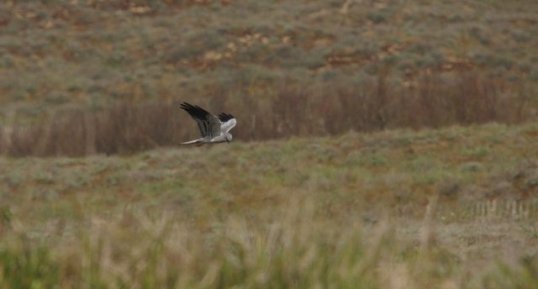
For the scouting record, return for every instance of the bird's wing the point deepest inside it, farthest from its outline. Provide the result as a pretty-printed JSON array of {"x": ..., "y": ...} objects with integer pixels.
[
  {"x": 228, "y": 122},
  {"x": 209, "y": 125}
]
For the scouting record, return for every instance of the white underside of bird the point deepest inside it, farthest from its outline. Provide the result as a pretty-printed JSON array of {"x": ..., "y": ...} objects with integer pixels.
[{"x": 212, "y": 128}]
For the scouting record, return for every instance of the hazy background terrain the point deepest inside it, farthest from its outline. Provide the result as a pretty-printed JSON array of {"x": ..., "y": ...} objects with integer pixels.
[
  {"x": 380, "y": 144},
  {"x": 79, "y": 77}
]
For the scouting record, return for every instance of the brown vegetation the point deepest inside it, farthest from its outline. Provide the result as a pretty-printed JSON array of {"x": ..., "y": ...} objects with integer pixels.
[
  {"x": 284, "y": 68},
  {"x": 269, "y": 113}
]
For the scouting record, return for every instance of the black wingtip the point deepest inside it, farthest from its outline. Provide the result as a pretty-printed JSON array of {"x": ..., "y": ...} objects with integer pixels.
[
  {"x": 194, "y": 110},
  {"x": 186, "y": 106},
  {"x": 225, "y": 117}
]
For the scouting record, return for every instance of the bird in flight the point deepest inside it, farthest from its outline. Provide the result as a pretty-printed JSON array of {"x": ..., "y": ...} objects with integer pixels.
[{"x": 213, "y": 129}]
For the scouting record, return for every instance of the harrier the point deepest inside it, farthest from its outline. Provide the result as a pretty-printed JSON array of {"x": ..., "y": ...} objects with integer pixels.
[{"x": 213, "y": 129}]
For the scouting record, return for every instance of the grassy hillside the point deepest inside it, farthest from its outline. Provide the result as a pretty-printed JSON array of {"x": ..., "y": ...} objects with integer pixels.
[
  {"x": 380, "y": 144},
  {"x": 383, "y": 210},
  {"x": 64, "y": 52},
  {"x": 285, "y": 68}
]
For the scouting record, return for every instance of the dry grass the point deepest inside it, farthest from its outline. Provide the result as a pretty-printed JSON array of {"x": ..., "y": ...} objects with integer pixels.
[
  {"x": 301, "y": 213},
  {"x": 285, "y": 68},
  {"x": 285, "y": 206},
  {"x": 297, "y": 247},
  {"x": 285, "y": 111}
]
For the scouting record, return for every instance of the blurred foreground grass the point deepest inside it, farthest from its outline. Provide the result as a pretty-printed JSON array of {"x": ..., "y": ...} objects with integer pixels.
[{"x": 342, "y": 212}]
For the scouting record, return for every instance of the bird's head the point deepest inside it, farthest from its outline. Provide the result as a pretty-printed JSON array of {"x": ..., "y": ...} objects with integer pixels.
[{"x": 228, "y": 137}]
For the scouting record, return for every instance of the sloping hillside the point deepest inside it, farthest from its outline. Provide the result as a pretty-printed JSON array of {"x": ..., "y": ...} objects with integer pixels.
[
  {"x": 92, "y": 52},
  {"x": 84, "y": 77},
  {"x": 431, "y": 207}
]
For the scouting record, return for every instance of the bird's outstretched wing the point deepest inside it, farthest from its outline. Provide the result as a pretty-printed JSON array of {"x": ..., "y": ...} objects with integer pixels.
[
  {"x": 209, "y": 125},
  {"x": 228, "y": 122}
]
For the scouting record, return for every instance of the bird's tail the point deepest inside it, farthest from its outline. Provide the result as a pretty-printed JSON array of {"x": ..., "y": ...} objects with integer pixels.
[{"x": 194, "y": 141}]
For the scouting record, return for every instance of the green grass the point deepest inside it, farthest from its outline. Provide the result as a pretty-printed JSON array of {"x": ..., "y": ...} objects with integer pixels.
[
  {"x": 454, "y": 207},
  {"x": 313, "y": 212},
  {"x": 65, "y": 53},
  {"x": 78, "y": 78}
]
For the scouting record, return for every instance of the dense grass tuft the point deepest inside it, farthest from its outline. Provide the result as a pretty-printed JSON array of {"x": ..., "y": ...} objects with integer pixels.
[{"x": 296, "y": 249}]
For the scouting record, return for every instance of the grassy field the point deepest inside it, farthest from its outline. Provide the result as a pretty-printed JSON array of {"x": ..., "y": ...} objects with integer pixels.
[
  {"x": 448, "y": 208},
  {"x": 108, "y": 75},
  {"x": 132, "y": 50},
  {"x": 380, "y": 144}
]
